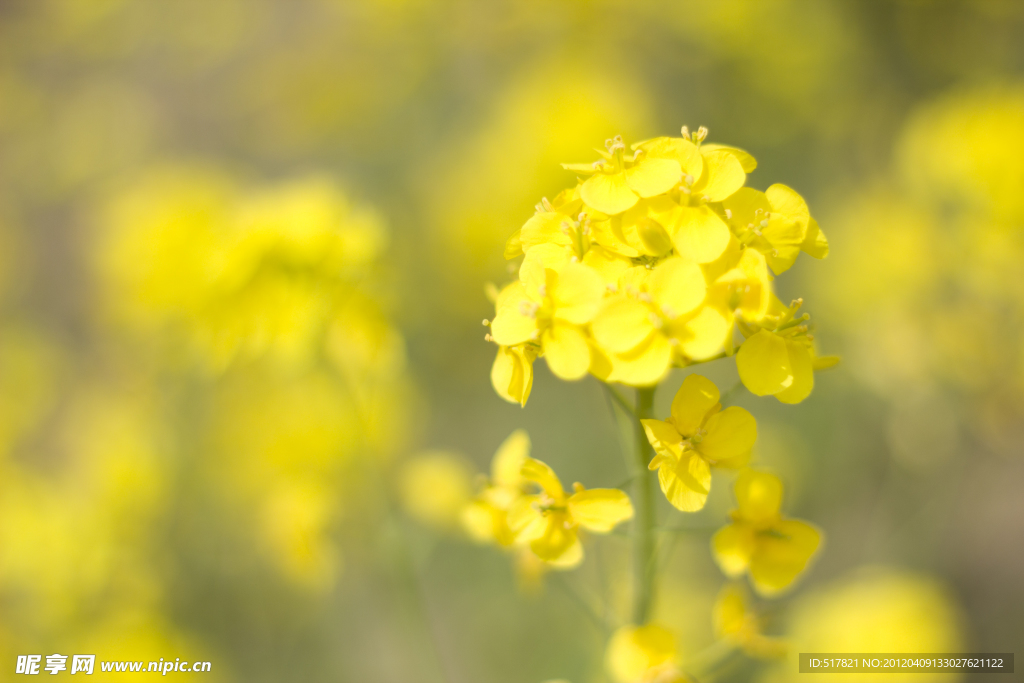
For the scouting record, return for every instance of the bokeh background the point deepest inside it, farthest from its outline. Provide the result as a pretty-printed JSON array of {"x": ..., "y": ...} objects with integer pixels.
[{"x": 243, "y": 254}]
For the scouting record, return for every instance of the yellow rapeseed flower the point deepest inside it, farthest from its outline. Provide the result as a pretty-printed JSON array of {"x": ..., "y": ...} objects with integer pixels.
[
  {"x": 699, "y": 434},
  {"x": 485, "y": 518},
  {"x": 735, "y": 622},
  {"x": 655, "y": 319},
  {"x": 778, "y": 358},
  {"x": 759, "y": 541},
  {"x": 549, "y": 521},
  {"x": 550, "y": 307},
  {"x": 777, "y": 223},
  {"x": 643, "y": 654},
  {"x": 618, "y": 180}
]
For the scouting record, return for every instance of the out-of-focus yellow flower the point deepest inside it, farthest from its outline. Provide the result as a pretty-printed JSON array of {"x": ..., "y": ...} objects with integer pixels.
[
  {"x": 699, "y": 434},
  {"x": 296, "y": 523},
  {"x": 759, "y": 541},
  {"x": 778, "y": 358},
  {"x": 736, "y": 622},
  {"x": 485, "y": 518},
  {"x": 434, "y": 487},
  {"x": 877, "y": 609},
  {"x": 239, "y": 274},
  {"x": 643, "y": 654},
  {"x": 549, "y": 521}
]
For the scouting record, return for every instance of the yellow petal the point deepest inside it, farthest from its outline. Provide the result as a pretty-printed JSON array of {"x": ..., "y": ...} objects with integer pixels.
[
  {"x": 558, "y": 538},
  {"x": 703, "y": 335},
  {"x": 824, "y": 362},
  {"x": 802, "y": 363},
  {"x": 733, "y": 546},
  {"x": 746, "y": 159},
  {"x": 600, "y": 510},
  {"x": 609, "y": 234},
  {"x": 533, "y": 272},
  {"x": 503, "y": 374},
  {"x": 730, "y": 436},
  {"x": 684, "y": 152},
  {"x": 566, "y": 351},
  {"x": 787, "y": 202},
  {"x": 747, "y": 208},
  {"x": 677, "y": 286},
  {"x": 514, "y": 245},
  {"x": 785, "y": 237},
  {"x": 699, "y": 234},
  {"x": 654, "y": 237},
  {"x": 759, "y": 495},
  {"x": 600, "y": 362},
  {"x": 541, "y": 474},
  {"x": 686, "y": 483},
  {"x": 622, "y": 325},
  {"x": 782, "y": 555},
  {"x": 723, "y": 175},
  {"x": 482, "y": 521},
  {"x": 524, "y": 518},
  {"x": 644, "y": 366},
  {"x": 507, "y": 465},
  {"x": 815, "y": 243},
  {"x": 764, "y": 365},
  {"x": 608, "y": 194},
  {"x": 661, "y": 434},
  {"x": 543, "y": 228},
  {"x": 608, "y": 264},
  {"x": 692, "y": 403},
  {"x": 577, "y": 294},
  {"x": 512, "y": 374},
  {"x": 513, "y": 323},
  {"x": 650, "y": 177},
  {"x": 571, "y": 557}
]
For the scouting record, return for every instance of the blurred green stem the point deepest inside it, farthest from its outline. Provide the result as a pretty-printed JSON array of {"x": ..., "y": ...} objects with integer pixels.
[{"x": 643, "y": 524}]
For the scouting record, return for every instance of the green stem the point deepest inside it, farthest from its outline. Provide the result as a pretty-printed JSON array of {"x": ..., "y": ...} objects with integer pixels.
[{"x": 643, "y": 525}]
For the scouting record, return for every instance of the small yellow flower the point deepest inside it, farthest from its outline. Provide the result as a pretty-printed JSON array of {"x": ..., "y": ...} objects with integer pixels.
[
  {"x": 777, "y": 223},
  {"x": 656, "y": 315},
  {"x": 736, "y": 622},
  {"x": 711, "y": 174},
  {"x": 550, "y": 307},
  {"x": 618, "y": 181},
  {"x": 759, "y": 541},
  {"x": 485, "y": 518},
  {"x": 549, "y": 521},
  {"x": 778, "y": 357},
  {"x": 699, "y": 434},
  {"x": 643, "y": 654}
]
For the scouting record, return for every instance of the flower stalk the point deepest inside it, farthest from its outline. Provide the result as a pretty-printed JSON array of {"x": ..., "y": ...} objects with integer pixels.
[{"x": 644, "y": 522}]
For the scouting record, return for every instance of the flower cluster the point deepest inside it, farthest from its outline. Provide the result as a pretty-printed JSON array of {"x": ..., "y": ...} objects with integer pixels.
[{"x": 657, "y": 258}]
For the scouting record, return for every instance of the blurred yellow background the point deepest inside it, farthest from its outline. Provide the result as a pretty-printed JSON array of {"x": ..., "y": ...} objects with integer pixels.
[{"x": 243, "y": 382}]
